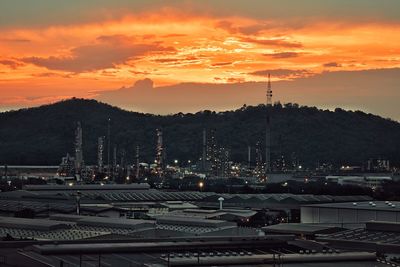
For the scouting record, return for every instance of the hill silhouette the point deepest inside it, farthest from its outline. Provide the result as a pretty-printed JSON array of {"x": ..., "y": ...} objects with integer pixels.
[{"x": 42, "y": 135}]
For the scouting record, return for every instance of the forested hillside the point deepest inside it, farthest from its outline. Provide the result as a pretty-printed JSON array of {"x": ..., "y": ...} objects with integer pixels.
[{"x": 44, "y": 134}]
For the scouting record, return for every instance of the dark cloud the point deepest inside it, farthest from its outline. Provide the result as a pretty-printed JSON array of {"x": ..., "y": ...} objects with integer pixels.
[
  {"x": 283, "y": 55},
  {"x": 272, "y": 42},
  {"x": 13, "y": 64},
  {"x": 106, "y": 53},
  {"x": 228, "y": 26},
  {"x": 219, "y": 64},
  {"x": 186, "y": 60},
  {"x": 137, "y": 72},
  {"x": 282, "y": 73},
  {"x": 332, "y": 65},
  {"x": 186, "y": 97},
  {"x": 346, "y": 89},
  {"x": 14, "y": 40},
  {"x": 51, "y": 74}
]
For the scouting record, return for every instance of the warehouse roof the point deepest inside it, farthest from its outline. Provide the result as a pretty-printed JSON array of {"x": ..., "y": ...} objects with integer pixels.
[
  {"x": 87, "y": 187},
  {"x": 284, "y": 198},
  {"x": 192, "y": 221},
  {"x": 32, "y": 224},
  {"x": 383, "y": 236},
  {"x": 301, "y": 228},
  {"x": 364, "y": 205},
  {"x": 120, "y": 193}
]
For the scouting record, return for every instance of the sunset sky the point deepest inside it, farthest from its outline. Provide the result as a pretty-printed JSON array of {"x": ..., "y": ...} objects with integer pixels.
[{"x": 184, "y": 56}]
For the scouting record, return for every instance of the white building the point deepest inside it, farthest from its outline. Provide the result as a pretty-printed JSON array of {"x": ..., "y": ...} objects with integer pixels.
[
  {"x": 351, "y": 213},
  {"x": 372, "y": 182}
]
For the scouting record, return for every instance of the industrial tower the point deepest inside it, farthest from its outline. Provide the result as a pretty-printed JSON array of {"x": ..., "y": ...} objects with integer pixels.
[
  {"x": 108, "y": 147},
  {"x": 78, "y": 149},
  {"x": 258, "y": 170},
  {"x": 100, "y": 150},
  {"x": 268, "y": 128},
  {"x": 159, "y": 153},
  {"x": 137, "y": 162},
  {"x": 204, "y": 156},
  {"x": 114, "y": 165}
]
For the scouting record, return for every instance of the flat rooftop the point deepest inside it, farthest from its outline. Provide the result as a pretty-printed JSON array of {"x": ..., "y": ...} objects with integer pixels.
[
  {"x": 104, "y": 221},
  {"x": 301, "y": 228},
  {"x": 376, "y": 236},
  {"x": 192, "y": 221},
  {"x": 87, "y": 187},
  {"x": 365, "y": 205},
  {"x": 32, "y": 224}
]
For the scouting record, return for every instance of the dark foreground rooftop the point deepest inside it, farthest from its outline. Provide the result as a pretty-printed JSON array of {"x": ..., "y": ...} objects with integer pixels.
[
  {"x": 218, "y": 251},
  {"x": 376, "y": 236}
]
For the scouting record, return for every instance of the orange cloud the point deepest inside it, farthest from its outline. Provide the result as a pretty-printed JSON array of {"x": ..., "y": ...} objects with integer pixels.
[
  {"x": 108, "y": 53},
  {"x": 172, "y": 47}
]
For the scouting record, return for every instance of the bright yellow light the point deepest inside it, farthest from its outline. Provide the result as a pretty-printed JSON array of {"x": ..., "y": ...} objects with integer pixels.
[{"x": 201, "y": 184}]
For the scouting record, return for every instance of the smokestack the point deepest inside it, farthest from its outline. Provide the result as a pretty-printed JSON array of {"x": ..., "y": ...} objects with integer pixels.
[
  {"x": 268, "y": 146},
  {"x": 160, "y": 153},
  {"x": 114, "y": 162},
  {"x": 100, "y": 149},
  {"x": 204, "y": 149},
  {"x": 137, "y": 162},
  {"x": 249, "y": 156},
  {"x": 78, "y": 149},
  {"x": 108, "y": 147}
]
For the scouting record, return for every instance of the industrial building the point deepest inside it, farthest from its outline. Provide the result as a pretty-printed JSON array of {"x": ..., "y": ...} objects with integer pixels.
[
  {"x": 383, "y": 237},
  {"x": 198, "y": 251},
  {"x": 351, "y": 214},
  {"x": 302, "y": 230},
  {"x": 370, "y": 181}
]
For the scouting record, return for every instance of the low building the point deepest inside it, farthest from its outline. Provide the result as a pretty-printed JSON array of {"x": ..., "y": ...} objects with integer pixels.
[
  {"x": 201, "y": 251},
  {"x": 302, "y": 230},
  {"x": 372, "y": 182},
  {"x": 351, "y": 214},
  {"x": 382, "y": 237}
]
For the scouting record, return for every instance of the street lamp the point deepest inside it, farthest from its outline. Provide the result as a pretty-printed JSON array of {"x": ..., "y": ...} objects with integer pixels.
[{"x": 201, "y": 185}]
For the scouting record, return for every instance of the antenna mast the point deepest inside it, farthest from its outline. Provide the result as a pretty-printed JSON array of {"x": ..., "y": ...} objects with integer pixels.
[
  {"x": 269, "y": 91},
  {"x": 268, "y": 128}
]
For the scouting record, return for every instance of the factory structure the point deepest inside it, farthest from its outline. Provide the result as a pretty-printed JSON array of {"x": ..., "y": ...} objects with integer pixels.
[
  {"x": 122, "y": 213},
  {"x": 214, "y": 159},
  {"x": 135, "y": 225},
  {"x": 117, "y": 163}
]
